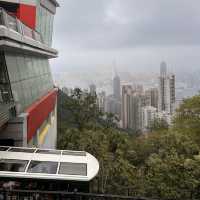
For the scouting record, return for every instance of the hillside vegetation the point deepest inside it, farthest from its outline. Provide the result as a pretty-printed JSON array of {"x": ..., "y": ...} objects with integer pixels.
[{"x": 165, "y": 165}]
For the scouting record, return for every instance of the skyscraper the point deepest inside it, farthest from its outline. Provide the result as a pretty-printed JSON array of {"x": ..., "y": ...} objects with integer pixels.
[
  {"x": 27, "y": 93},
  {"x": 126, "y": 108},
  {"x": 92, "y": 89},
  {"x": 116, "y": 87},
  {"x": 149, "y": 114},
  {"x": 131, "y": 108},
  {"x": 152, "y": 97},
  {"x": 101, "y": 97},
  {"x": 113, "y": 102},
  {"x": 166, "y": 94},
  {"x": 163, "y": 69}
]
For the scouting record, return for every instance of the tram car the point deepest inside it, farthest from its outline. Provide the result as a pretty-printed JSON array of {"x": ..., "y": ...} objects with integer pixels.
[{"x": 46, "y": 169}]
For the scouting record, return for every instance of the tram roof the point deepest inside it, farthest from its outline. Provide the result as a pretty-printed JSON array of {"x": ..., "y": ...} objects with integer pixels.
[{"x": 35, "y": 163}]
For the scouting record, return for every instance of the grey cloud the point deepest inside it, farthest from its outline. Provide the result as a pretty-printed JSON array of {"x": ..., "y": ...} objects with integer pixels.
[
  {"x": 139, "y": 33},
  {"x": 117, "y": 23}
]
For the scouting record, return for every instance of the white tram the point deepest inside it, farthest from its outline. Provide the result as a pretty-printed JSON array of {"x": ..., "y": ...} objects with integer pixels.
[{"x": 46, "y": 169}]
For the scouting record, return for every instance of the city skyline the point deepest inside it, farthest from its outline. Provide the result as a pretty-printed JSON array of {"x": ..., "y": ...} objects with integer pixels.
[{"x": 137, "y": 107}]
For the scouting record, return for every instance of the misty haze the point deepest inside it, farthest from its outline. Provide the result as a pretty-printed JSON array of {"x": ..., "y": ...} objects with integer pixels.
[{"x": 134, "y": 37}]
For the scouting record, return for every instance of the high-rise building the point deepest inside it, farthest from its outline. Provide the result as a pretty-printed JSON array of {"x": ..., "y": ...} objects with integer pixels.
[
  {"x": 116, "y": 87},
  {"x": 113, "y": 106},
  {"x": 92, "y": 89},
  {"x": 149, "y": 114},
  {"x": 127, "y": 92},
  {"x": 163, "y": 69},
  {"x": 28, "y": 98},
  {"x": 136, "y": 113},
  {"x": 113, "y": 102},
  {"x": 131, "y": 113},
  {"x": 166, "y": 94},
  {"x": 152, "y": 97},
  {"x": 101, "y": 97}
]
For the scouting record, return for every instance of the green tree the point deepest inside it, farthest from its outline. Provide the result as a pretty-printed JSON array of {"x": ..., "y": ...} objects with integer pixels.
[
  {"x": 187, "y": 119},
  {"x": 79, "y": 109},
  {"x": 164, "y": 164},
  {"x": 158, "y": 125}
]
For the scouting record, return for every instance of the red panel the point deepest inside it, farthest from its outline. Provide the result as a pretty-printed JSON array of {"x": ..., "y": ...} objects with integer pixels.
[
  {"x": 27, "y": 14},
  {"x": 39, "y": 111}
]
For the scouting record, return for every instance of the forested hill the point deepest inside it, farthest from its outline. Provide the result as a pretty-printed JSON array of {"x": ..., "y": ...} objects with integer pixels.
[{"x": 164, "y": 165}]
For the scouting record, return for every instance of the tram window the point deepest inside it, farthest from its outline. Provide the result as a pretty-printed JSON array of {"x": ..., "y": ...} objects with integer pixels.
[
  {"x": 74, "y": 153},
  {"x": 4, "y": 148},
  {"x": 13, "y": 165},
  {"x": 24, "y": 150},
  {"x": 73, "y": 168},
  {"x": 44, "y": 151},
  {"x": 42, "y": 167}
]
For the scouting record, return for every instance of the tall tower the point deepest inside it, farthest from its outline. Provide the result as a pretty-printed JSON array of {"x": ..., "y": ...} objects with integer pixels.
[
  {"x": 126, "y": 107},
  {"x": 131, "y": 111},
  {"x": 152, "y": 97},
  {"x": 92, "y": 89},
  {"x": 163, "y": 69},
  {"x": 116, "y": 87},
  {"x": 28, "y": 96},
  {"x": 166, "y": 94}
]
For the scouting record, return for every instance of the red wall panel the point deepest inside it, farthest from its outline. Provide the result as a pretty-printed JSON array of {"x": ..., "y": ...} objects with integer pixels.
[
  {"x": 39, "y": 111},
  {"x": 27, "y": 14}
]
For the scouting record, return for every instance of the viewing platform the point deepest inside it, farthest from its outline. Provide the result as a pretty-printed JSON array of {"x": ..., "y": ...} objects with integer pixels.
[{"x": 16, "y": 35}]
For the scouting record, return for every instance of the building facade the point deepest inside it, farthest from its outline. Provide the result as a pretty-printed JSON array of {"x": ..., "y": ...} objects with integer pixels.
[
  {"x": 117, "y": 87},
  {"x": 131, "y": 108},
  {"x": 27, "y": 91},
  {"x": 127, "y": 92},
  {"x": 149, "y": 114},
  {"x": 152, "y": 97},
  {"x": 92, "y": 88},
  {"x": 166, "y": 92},
  {"x": 101, "y": 97}
]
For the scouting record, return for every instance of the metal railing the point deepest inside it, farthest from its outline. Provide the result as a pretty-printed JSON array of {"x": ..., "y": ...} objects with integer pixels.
[
  {"x": 14, "y": 24},
  {"x": 60, "y": 195}
]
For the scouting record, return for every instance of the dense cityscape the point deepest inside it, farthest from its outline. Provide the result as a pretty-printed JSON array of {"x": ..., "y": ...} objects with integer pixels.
[{"x": 138, "y": 106}]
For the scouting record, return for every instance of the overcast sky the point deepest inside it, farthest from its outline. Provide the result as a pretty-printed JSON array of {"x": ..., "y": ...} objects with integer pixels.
[{"x": 137, "y": 34}]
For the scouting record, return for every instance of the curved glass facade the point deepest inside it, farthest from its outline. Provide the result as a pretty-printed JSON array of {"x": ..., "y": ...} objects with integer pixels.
[{"x": 30, "y": 78}]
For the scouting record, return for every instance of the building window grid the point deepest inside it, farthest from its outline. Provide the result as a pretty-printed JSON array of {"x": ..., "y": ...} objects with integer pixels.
[
  {"x": 28, "y": 87},
  {"x": 45, "y": 24}
]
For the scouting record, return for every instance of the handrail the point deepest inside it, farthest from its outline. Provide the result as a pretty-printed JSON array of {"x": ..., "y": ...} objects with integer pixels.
[
  {"x": 15, "y": 24},
  {"x": 76, "y": 195}
]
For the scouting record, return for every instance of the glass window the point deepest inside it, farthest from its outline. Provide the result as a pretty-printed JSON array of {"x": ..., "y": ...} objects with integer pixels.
[
  {"x": 44, "y": 151},
  {"x": 4, "y": 148},
  {"x": 30, "y": 78},
  {"x": 12, "y": 68},
  {"x": 74, "y": 153},
  {"x": 73, "y": 168},
  {"x": 45, "y": 24},
  {"x": 42, "y": 167},
  {"x": 12, "y": 23},
  {"x": 13, "y": 165},
  {"x": 25, "y": 150},
  {"x": 21, "y": 67}
]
